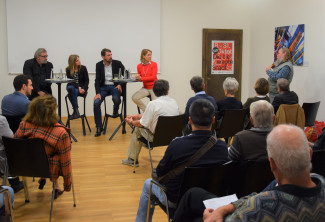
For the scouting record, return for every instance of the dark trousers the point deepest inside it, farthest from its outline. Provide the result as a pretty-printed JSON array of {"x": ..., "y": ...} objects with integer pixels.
[{"x": 191, "y": 206}]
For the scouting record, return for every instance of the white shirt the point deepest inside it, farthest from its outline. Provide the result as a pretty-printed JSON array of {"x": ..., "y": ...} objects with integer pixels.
[
  {"x": 162, "y": 106},
  {"x": 108, "y": 74}
]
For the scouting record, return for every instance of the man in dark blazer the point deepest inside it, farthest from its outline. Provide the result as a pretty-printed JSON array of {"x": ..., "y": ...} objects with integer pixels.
[
  {"x": 104, "y": 86},
  {"x": 39, "y": 69},
  {"x": 285, "y": 95}
]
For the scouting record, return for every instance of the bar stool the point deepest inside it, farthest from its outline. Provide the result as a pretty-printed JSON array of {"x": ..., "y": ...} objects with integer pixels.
[
  {"x": 149, "y": 96},
  {"x": 110, "y": 116},
  {"x": 83, "y": 116}
]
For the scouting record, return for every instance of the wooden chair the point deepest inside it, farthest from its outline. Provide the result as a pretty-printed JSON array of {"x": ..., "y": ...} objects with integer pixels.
[
  {"x": 83, "y": 116},
  {"x": 210, "y": 178},
  {"x": 27, "y": 158},
  {"x": 318, "y": 162},
  {"x": 167, "y": 128},
  {"x": 311, "y": 110}
]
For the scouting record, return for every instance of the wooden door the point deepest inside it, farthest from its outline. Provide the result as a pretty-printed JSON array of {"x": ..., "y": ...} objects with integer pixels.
[{"x": 216, "y": 48}]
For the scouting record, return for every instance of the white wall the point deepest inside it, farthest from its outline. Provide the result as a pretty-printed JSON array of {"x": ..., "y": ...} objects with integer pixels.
[{"x": 182, "y": 22}]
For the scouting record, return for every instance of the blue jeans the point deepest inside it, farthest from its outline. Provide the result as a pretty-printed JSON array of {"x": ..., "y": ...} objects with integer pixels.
[
  {"x": 143, "y": 203},
  {"x": 73, "y": 95},
  {"x": 106, "y": 90},
  {"x": 12, "y": 197}
]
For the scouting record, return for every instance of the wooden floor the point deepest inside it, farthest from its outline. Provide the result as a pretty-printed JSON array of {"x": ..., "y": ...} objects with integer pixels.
[{"x": 105, "y": 189}]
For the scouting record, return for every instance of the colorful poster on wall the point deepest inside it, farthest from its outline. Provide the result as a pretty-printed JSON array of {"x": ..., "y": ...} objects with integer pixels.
[
  {"x": 222, "y": 57},
  {"x": 293, "y": 38}
]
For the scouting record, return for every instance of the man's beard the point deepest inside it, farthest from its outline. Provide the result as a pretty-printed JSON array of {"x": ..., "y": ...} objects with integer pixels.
[
  {"x": 44, "y": 62},
  {"x": 278, "y": 62}
]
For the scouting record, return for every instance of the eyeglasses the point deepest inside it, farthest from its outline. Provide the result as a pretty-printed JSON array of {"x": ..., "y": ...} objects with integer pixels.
[{"x": 44, "y": 56}]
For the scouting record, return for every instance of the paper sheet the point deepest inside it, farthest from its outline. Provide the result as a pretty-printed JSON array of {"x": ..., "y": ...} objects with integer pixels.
[{"x": 215, "y": 203}]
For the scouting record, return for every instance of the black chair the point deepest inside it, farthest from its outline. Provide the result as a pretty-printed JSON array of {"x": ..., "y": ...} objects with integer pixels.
[
  {"x": 210, "y": 178},
  {"x": 83, "y": 116},
  {"x": 14, "y": 122},
  {"x": 149, "y": 97},
  {"x": 231, "y": 123},
  {"x": 311, "y": 110},
  {"x": 106, "y": 116},
  {"x": 167, "y": 128},
  {"x": 7, "y": 205},
  {"x": 245, "y": 177},
  {"x": 27, "y": 158},
  {"x": 318, "y": 162}
]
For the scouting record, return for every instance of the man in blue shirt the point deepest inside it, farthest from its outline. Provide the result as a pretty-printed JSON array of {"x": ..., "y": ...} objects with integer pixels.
[
  {"x": 197, "y": 85},
  {"x": 16, "y": 104}
]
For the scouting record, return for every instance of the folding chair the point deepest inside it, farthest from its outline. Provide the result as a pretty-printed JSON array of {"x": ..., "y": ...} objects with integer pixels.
[
  {"x": 311, "y": 110},
  {"x": 27, "y": 158},
  {"x": 210, "y": 178},
  {"x": 167, "y": 128},
  {"x": 83, "y": 116}
]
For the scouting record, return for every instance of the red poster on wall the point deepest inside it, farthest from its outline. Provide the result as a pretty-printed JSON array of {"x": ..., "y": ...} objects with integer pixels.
[{"x": 222, "y": 57}]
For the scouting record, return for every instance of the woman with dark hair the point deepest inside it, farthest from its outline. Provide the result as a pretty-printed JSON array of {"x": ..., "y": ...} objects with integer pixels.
[
  {"x": 79, "y": 73},
  {"x": 147, "y": 73},
  {"x": 262, "y": 88},
  {"x": 41, "y": 122}
]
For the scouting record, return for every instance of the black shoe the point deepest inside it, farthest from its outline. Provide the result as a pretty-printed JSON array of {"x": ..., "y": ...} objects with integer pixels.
[
  {"x": 115, "y": 115},
  {"x": 41, "y": 182},
  {"x": 18, "y": 187},
  {"x": 57, "y": 193},
  {"x": 99, "y": 132},
  {"x": 75, "y": 114}
]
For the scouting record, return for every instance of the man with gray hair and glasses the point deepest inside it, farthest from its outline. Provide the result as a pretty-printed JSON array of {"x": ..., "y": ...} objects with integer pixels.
[
  {"x": 251, "y": 144},
  {"x": 294, "y": 195},
  {"x": 39, "y": 69}
]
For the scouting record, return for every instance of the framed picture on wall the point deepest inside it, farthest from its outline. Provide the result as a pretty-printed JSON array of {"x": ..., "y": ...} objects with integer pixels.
[
  {"x": 293, "y": 38},
  {"x": 222, "y": 57}
]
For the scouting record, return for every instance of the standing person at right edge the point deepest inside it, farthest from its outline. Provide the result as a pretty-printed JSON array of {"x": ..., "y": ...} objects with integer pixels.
[
  {"x": 147, "y": 73},
  {"x": 281, "y": 68}
]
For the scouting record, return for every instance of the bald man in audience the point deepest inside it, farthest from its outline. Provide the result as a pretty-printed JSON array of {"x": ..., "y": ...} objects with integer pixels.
[
  {"x": 295, "y": 195},
  {"x": 251, "y": 144},
  {"x": 285, "y": 96}
]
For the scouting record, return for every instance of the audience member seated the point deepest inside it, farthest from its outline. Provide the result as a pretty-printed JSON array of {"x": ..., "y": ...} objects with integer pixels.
[
  {"x": 180, "y": 150},
  {"x": 295, "y": 195},
  {"x": 162, "y": 106},
  {"x": 320, "y": 142},
  {"x": 198, "y": 86},
  {"x": 147, "y": 73},
  {"x": 16, "y": 104},
  {"x": 251, "y": 144},
  {"x": 39, "y": 69},
  {"x": 6, "y": 131},
  {"x": 230, "y": 86},
  {"x": 79, "y": 73},
  {"x": 262, "y": 89},
  {"x": 41, "y": 122},
  {"x": 285, "y": 96}
]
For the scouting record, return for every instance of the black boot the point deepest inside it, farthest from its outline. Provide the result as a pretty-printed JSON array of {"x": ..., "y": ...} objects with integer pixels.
[
  {"x": 75, "y": 114},
  {"x": 99, "y": 132}
]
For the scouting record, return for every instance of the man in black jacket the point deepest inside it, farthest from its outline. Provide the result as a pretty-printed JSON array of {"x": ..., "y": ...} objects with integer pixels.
[
  {"x": 286, "y": 96},
  {"x": 39, "y": 69},
  {"x": 104, "y": 86},
  {"x": 180, "y": 150}
]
